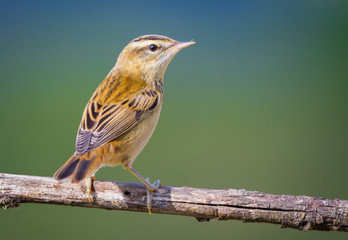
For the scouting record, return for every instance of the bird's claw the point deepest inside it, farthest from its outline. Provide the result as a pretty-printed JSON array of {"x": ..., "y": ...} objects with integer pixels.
[
  {"x": 89, "y": 184},
  {"x": 90, "y": 198},
  {"x": 150, "y": 189}
]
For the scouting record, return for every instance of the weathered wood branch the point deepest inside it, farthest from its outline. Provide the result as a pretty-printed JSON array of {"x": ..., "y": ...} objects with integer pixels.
[{"x": 300, "y": 212}]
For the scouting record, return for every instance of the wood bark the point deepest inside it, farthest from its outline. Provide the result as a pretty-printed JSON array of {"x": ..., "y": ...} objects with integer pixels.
[{"x": 299, "y": 212}]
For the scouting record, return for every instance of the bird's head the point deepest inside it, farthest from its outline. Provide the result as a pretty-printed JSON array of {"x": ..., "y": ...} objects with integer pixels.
[{"x": 149, "y": 55}]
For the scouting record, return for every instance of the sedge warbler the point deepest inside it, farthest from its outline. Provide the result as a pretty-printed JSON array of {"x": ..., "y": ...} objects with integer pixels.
[{"x": 122, "y": 114}]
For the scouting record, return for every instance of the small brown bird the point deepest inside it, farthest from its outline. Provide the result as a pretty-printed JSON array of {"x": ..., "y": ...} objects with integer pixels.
[{"x": 122, "y": 114}]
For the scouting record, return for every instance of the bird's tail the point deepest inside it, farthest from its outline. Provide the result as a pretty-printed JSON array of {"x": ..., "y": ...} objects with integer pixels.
[{"x": 78, "y": 168}]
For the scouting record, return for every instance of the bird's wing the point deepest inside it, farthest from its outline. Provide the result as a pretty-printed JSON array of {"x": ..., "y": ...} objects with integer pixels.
[{"x": 102, "y": 123}]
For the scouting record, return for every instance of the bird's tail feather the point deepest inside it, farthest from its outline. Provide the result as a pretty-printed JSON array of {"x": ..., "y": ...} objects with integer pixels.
[{"x": 78, "y": 168}]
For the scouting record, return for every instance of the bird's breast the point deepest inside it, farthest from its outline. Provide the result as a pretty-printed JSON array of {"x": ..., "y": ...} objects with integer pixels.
[{"x": 127, "y": 147}]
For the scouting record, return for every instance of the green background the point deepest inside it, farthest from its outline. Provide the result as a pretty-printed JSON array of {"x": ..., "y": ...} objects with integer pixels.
[{"x": 260, "y": 103}]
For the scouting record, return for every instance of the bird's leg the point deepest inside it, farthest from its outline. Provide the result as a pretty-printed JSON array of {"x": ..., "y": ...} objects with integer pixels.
[
  {"x": 150, "y": 187},
  {"x": 89, "y": 184}
]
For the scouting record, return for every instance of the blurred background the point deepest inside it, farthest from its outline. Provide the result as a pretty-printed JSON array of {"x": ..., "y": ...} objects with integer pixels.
[{"x": 260, "y": 103}]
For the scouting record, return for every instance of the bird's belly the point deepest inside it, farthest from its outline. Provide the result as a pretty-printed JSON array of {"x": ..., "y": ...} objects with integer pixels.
[{"x": 127, "y": 147}]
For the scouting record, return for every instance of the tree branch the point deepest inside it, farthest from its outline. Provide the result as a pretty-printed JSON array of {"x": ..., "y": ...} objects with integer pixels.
[{"x": 300, "y": 212}]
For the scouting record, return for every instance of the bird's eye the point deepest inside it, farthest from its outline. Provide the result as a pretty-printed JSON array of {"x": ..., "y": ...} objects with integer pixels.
[{"x": 153, "y": 47}]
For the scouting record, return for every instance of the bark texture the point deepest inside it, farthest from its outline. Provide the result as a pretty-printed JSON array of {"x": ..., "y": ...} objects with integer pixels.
[{"x": 299, "y": 212}]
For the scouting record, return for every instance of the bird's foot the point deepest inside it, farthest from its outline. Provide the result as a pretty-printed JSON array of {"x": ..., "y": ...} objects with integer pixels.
[
  {"x": 90, "y": 198},
  {"x": 89, "y": 184},
  {"x": 150, "y": 189}
]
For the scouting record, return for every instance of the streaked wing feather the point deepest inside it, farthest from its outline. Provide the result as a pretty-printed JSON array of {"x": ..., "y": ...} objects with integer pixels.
[{"x": 102, "y": 124}]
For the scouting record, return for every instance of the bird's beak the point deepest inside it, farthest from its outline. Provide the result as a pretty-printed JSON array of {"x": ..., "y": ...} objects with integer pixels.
[
  {"x": 174, "y": 49},
  {"x": 181, "y": 45}
]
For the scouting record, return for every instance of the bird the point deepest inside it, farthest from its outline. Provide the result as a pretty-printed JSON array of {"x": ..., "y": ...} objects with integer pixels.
[{"x": 123, "y": 112}]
